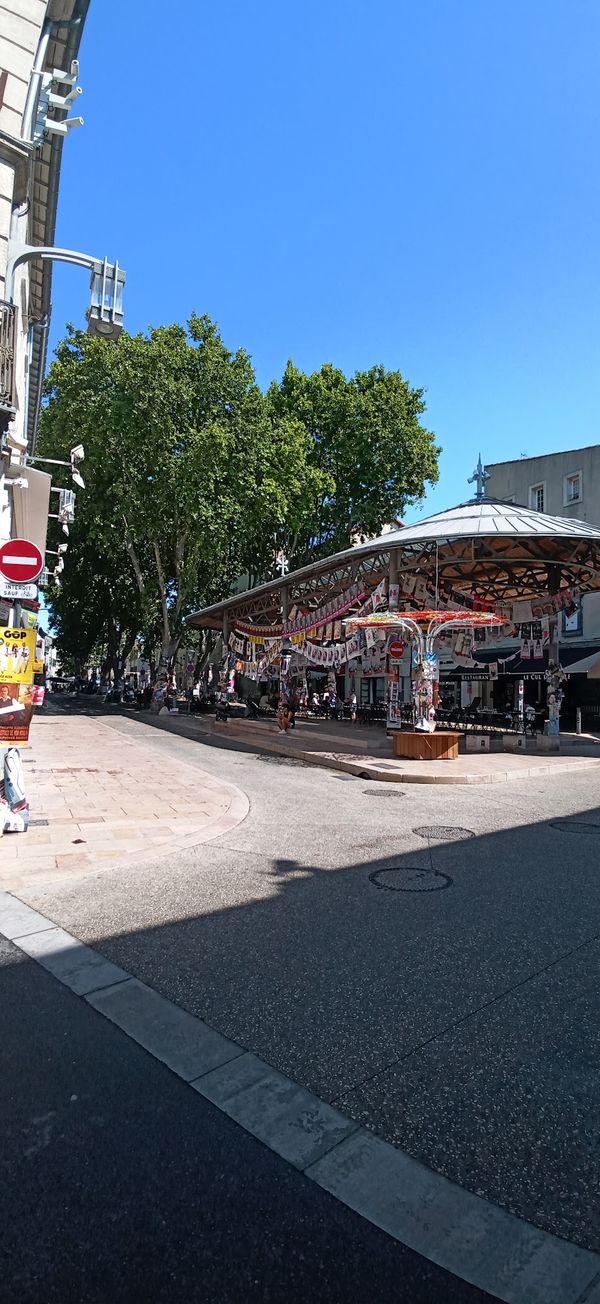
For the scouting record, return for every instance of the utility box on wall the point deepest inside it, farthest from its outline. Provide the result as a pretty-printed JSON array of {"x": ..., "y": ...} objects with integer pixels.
[
  {"x": 478, "y": 742},
  {"x": 516, "y": 742}
]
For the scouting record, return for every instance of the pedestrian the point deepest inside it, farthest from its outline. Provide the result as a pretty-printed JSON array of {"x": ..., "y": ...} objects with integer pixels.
[
  {"x": 353, "y": 703},
  {"x": 283, "y": 716},
  {"x": 293, "y": 708}
]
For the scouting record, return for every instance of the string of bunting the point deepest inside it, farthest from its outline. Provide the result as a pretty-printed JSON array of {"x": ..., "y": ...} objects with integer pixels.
[{"x": 305, "y": 622}]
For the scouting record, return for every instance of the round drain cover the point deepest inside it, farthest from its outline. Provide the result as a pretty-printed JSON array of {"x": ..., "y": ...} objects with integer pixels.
[
  {"x": 575, "y": 826},
  {"x": 410, "y": 879},
  {"x": 443, "y": 833},
  {"x": 368, "y": 792}
]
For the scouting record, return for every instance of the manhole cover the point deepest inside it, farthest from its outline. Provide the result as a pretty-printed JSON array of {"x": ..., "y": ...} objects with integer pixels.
[
  {"x": 575, "y": 826},
  {"x": 443, "y": 833},
  {"x": 410, "y": 879},
  {"x": 368, "y": 792}
]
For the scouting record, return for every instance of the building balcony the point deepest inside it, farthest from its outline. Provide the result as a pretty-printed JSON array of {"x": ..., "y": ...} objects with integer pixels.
[{"x": 8, "y": 326}]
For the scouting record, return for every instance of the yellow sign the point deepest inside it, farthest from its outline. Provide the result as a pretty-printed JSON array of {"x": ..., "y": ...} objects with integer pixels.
[{"x": 17, "y": 655}]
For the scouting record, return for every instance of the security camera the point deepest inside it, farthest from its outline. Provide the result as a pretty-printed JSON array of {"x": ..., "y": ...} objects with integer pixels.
[
  {"x": 62, "y": 547},
  {"x": 79, "y": 480},
  {"x": 77, "y": 453},
  {"x": 65, "y": 528},
  {"x": 54, "y": 128}
]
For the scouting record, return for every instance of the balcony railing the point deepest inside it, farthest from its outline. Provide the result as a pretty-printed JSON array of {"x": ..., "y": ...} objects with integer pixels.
[{"x": 8, "y": 321}]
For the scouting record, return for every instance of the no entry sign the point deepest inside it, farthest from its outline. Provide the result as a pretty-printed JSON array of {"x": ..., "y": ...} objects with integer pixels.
[
  {"x": 20, "y": 561},
  {"x": 396, "y": 650}
]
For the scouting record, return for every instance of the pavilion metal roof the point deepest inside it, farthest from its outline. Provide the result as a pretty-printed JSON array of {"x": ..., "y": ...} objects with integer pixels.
[
  {"x": 486, "y": 545},
  {"x": 488, "y": 517}
]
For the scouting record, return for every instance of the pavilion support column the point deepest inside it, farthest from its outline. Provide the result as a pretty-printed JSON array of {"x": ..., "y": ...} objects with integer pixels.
[
  {"x": 284, "y": 661},
  {"x": 553, "y": 679},
  {"x": 223, "y": 676},
  {"x": 394, "y": 592}
]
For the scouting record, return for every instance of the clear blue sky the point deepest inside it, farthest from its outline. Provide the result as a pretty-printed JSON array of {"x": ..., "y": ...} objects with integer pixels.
[{"x": 412, "y": 182}]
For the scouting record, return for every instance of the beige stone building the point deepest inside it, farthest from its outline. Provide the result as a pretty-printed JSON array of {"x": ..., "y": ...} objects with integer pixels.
[
  {"x": 39, "y": 42},
  {"x": 564, "y": 484}
]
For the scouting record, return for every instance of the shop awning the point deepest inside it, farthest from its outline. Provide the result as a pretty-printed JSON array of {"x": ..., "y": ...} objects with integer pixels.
[{"x": 588, "y": 665}]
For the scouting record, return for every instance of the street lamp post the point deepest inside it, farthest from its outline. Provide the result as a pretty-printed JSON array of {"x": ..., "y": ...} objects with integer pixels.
[{"x": 105, "y": 316}]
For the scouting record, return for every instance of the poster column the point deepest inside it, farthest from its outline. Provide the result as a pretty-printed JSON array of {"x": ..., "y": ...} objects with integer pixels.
[{"x": 394, "y": 696}]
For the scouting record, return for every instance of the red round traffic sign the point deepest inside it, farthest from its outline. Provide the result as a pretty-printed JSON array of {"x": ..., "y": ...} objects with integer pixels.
[
  {"x": 396, "y": 649},
  {"x": 20, "y": 561}
]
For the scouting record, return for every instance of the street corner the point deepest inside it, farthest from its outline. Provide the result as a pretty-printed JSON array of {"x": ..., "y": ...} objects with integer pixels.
[{"x": 98, "y": 801}]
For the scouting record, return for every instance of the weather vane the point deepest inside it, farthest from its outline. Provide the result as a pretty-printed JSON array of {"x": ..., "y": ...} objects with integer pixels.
[{"x": 479, "y": 477}]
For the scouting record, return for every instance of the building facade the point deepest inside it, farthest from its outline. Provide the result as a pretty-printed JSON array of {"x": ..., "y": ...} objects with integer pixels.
[
  {"x": 39, "y": 42},
  {"x": 567, "y": 485}
]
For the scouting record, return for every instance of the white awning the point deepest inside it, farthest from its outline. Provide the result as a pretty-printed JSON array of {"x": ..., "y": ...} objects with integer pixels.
[{"x": 589, "y": 666}]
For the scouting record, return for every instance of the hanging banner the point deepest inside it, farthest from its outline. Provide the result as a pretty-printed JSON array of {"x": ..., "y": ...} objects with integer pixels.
[
  {"x": 17, "y": 655},
  {"x": 237, "y": 645},
  {"x": 379, "y": 595}
]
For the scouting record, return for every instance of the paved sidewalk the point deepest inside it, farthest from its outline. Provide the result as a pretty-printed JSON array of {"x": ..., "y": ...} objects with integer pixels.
[
  {"x": 98, "y": 801},
  {"x": 369, "y": 754}
]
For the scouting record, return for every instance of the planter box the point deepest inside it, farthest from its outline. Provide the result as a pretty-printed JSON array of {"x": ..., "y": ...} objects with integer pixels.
[{"x": 546, "y": 743}]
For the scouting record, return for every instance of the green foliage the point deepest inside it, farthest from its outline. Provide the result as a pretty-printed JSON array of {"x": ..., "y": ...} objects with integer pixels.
[
  {"x": 188, "y": 470},
  {"x": 368, "y": 446},
  {"x": 195, "y": 477},
  {"x": 97, "y": 609}
]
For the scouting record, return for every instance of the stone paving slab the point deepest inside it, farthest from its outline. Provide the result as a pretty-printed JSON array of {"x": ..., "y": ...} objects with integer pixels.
[
  {"x": 185, "y": 1044},
  {"x": 73, "y": 963},
  {"x": 98, "y": 801},
  {"x": 291, "y": 1120}
]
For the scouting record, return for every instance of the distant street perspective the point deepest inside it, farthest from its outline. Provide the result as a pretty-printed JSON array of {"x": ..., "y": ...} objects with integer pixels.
[{"x": 299, "y": 654}]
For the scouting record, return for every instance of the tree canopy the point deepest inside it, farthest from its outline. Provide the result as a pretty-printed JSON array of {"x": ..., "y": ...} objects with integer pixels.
[
  {"x": 368, "y": 446},
  {"x": 195, "y": 477}
]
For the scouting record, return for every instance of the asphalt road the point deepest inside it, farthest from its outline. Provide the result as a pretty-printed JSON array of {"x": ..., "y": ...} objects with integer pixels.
[
  {"x": 120, "y": 1184},
  {"x": 459, "y": 1022}
]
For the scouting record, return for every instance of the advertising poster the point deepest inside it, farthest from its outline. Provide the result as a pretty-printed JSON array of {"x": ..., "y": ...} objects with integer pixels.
[
  {"x": 17, "y": 656},
  {"x": 16, "y": 710}
]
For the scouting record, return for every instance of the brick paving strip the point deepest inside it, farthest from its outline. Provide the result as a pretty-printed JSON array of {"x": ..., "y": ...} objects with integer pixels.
[{"x": 108, "y": 801}]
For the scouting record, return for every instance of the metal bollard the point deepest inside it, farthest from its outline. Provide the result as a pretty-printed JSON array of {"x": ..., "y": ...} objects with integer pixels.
[{"x": 578, "y": 720}]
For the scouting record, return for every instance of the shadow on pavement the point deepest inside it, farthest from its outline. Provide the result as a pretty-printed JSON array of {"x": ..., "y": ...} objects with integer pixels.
[
  {"x": 121, "y": 1184},
  {"x": 441, "y": 988}
]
